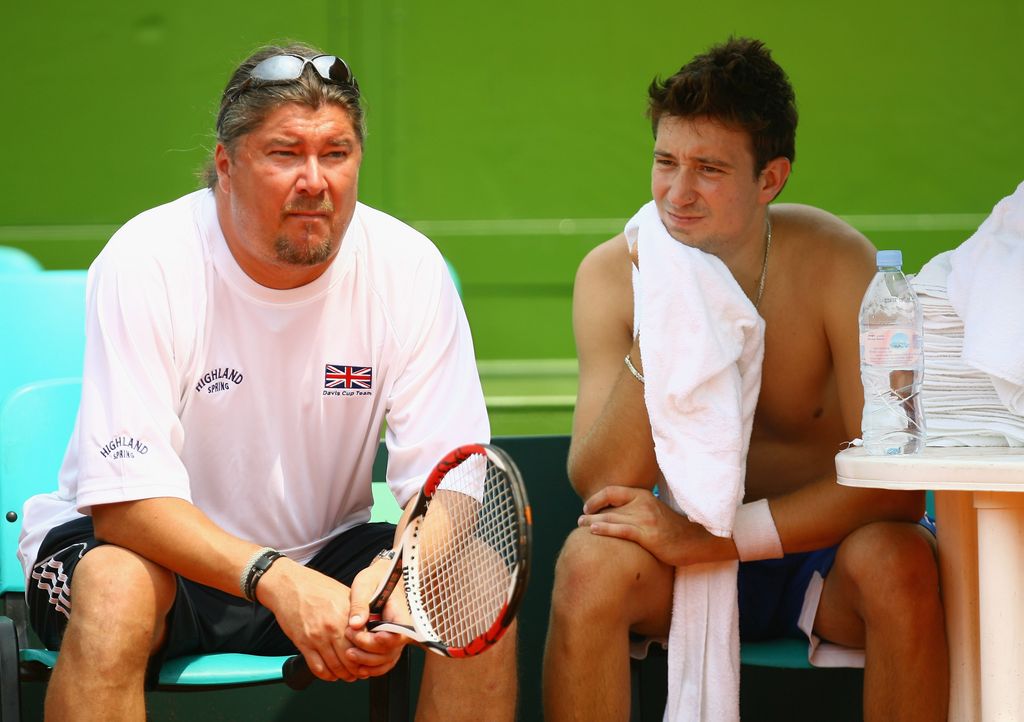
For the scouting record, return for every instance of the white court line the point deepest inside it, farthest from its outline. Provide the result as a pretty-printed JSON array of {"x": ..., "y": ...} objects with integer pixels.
[
  {"x": 521, "y": 367},
  {"x": 507, "y": 368},
  {"x": 530, "y": 402},
  {"x": 905, "y": 222}
]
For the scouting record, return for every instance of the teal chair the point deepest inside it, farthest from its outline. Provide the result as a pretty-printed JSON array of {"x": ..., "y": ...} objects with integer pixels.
[
  {"x": 455, "y": 276},
  {"x": 36, "y": 422},
  {"x": 15, "y": 260},
  {"x": 42, "y": 327}
]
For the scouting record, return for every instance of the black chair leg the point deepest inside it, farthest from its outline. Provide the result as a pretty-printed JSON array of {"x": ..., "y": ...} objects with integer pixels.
[
  {"x": 10, "y": 686},
  {"x": 389, "y": 695},
  {"x": 635, "y": 708}
]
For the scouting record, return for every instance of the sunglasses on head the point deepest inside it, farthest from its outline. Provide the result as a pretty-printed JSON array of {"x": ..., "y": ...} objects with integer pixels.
[{"x": 288, "y": 68}]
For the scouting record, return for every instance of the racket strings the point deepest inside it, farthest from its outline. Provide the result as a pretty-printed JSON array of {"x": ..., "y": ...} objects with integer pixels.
[{"x": 468, "y": 548}]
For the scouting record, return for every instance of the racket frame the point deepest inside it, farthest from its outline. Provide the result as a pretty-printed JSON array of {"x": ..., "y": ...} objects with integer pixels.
[{"x": 404, "y": 564}]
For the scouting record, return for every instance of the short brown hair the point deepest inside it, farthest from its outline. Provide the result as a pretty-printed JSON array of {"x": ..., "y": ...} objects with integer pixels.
[
  {"x": 738, "y": 84},
  {"x": 242, "y": 112}
]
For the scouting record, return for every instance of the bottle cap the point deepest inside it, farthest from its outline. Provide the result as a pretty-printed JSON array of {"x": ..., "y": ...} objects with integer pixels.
[{"x": 889, "y": 258}]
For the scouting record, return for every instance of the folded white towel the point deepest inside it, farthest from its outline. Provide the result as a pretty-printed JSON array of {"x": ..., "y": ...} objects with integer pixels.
[
  {"x": 986, "y": 287},
  {"x": 933, "y": 278},
  {"x": 702, "y": 343},
  {"x": 960, "y": 402}
]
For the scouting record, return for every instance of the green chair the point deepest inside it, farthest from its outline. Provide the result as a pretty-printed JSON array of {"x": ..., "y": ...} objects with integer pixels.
[
  {"x": 36, "y": 422},
  {"x": 15, "y": 260}
]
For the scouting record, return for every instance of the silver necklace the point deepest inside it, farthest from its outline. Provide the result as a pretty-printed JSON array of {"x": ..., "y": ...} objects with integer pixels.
[{"x": 764, "y": 264}]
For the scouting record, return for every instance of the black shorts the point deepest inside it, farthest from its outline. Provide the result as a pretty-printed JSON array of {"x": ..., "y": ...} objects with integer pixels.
[{"x": 203, "y": 619}]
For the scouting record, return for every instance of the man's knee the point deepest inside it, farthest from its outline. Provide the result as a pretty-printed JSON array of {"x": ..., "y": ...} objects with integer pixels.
[
  {"x": 451, "y": 689},
  {"x": 892, "y": 564},
  {"x": 595, "y": 570},
  {"x": 120, "y": 599}
]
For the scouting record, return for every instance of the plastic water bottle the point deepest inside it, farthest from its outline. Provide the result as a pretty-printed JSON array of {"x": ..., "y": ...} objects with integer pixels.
[{"x": 891, "y": 362}]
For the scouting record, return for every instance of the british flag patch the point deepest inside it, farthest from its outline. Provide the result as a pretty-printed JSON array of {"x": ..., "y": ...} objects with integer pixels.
[{"x": 348, "y": 377}]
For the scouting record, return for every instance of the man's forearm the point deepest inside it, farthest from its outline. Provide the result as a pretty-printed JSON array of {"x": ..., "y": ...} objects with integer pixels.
[
  {"x": 178, "y": 536},
  {"x": 823, "y": 512}
]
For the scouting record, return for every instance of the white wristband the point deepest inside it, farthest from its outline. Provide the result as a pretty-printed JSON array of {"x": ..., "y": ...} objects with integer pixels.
[{"x": 754, "y": 532}]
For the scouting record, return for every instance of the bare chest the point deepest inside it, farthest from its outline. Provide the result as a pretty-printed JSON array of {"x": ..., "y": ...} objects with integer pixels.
[
  {"x": 798, "y": 390},
  {"x": 798, "y": 425}
]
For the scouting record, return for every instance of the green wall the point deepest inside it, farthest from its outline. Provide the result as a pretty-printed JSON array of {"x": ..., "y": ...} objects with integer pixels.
[{"x": 514, "y": 134}]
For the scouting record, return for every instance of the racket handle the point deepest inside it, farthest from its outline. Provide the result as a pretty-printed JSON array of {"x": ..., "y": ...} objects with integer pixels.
[{"x": 296, "y": 673}]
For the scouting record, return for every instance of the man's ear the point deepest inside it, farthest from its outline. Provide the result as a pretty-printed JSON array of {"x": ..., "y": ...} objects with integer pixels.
[
  {"x": 222, "y": 162},
  {"x": 773, "y": 178}
]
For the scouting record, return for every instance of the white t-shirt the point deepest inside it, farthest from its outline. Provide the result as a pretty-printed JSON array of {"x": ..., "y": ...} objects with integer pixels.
[{"x": 263, "y": 407}]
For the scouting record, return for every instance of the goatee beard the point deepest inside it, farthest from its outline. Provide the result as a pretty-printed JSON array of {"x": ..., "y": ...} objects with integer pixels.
[{"x": 309, "y": 255}]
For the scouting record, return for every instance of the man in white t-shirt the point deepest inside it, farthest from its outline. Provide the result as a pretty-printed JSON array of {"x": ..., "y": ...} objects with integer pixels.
[{"x": 245, "y": 343}]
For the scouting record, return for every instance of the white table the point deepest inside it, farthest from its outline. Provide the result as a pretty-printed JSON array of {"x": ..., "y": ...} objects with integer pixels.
[{"x": 981, "y": 564}]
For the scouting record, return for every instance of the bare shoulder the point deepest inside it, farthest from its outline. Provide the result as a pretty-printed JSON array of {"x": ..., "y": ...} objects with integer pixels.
[
  {"x": 823, "y": 244},
  {"x": 603, "y": 298},
  {"x": 606, "y": 263},
  {"x": 604, "y": 280},
  {"x": 819, "y": 232}
]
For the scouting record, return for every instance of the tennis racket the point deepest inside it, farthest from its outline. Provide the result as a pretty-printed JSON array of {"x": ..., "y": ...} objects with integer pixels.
[{"x": 464, "y": 559}]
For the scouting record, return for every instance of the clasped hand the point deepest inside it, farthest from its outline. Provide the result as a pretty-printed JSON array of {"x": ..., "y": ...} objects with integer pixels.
[{"x": 327, "y": 620}]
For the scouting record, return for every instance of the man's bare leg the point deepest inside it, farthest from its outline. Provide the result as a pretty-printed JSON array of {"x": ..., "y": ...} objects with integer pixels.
[
  {"x": 474, "y": 688},
  {"x": 604, "y": 587},
  {"x": 882, "y": 595},
  {"x": 119, "y": 604}
]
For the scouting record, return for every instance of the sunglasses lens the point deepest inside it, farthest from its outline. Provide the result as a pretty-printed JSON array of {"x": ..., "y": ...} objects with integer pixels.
[
  {"x": 333, "y": 68},
  {"x": 279, "y": 67}
]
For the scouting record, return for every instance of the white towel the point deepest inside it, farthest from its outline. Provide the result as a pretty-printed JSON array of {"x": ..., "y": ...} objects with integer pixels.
[
  {"x": 986, "y": 287},
  {"x": 702, "y": 343},
  {"x": 960, "y": 402}
]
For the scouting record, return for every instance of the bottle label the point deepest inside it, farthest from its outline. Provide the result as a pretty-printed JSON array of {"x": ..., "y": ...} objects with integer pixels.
[{"x": 892, "y": 347}]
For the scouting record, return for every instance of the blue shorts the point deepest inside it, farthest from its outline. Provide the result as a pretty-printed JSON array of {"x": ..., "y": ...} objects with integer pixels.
[{"x": 772, "y": 591}]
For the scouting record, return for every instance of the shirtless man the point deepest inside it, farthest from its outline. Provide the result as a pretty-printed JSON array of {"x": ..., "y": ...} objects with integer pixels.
[{"x": 724, "y": 144}]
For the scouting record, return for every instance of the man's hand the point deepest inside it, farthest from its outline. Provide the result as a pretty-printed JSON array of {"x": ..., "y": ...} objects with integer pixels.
[
  {"x": 374, "y": 653},
  {"x": 638, "y": 516},
  {"x": 312, "y": 610}
]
